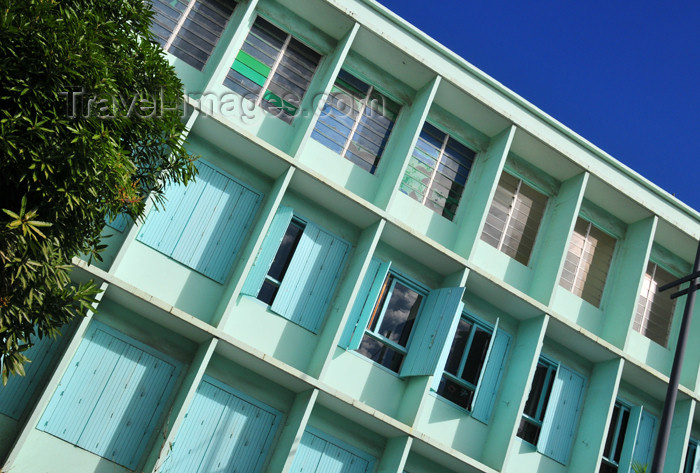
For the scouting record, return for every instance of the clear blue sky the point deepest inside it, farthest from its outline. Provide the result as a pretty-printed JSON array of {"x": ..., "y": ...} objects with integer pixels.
[{"x": 625, "y": 75}]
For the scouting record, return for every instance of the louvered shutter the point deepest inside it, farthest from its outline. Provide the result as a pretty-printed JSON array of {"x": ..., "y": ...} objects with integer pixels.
[
  {"x": 311, "y": 278},
  {"x": 321, "y": 453},
  {"x": 268, "y": 250},
  {"x": 491, "y": 375},
  {"x": 222, "y": 431},
  {"x": 561, "y": 417},
  {"x": 643, "y": 442},
  {"x": 15, "y": 395},
  {"x": 364, "y": 304},
  {"x": 438, "y": 316},
  {"x": 111, "y": 397}
]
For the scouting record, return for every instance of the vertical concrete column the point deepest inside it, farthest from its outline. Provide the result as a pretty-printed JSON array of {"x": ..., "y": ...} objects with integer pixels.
[
  {"x": 344, "y": 301},
  {"x": 395, "y": 454},
  {"x": 222, "y": 59},
  {"x": 630, "y": 266},
  {"x": 293, "y": 429},
  {"x": 404, "y": 136},
  {"x": 515, "y": 387},
  {"x": 55, "y": 378},
  {"x": 680, "y": 435},
  {"x": 595, "y": 417},
  {"x": 555, "y": 237},
  {"x": 480, "y": 189},
  {"x": 249, "y": 252},
  {"x": 133, "y": 231},
  {"x": 417, "y": 387},
  {"x": 319, "y": 89},
  {"x": 178, "y": 410}
]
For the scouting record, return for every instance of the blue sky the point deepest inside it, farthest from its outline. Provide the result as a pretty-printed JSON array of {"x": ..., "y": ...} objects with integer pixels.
[{"x": 624, "y": 75}]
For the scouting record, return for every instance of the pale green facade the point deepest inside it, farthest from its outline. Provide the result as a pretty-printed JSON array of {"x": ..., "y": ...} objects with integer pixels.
[{"x": 214, "y": 329}]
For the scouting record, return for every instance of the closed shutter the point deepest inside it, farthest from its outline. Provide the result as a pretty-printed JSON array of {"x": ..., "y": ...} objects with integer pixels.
[
  {"x": 111, "y": 397},
  {"x": 267, "y": 252},
  {"x": 321, "y": 453},
  {"x": 561, "y": 417},
  {"x": 311, "y": 278},
  {"x": 494, "y": 365},
  {"x": 645, "y": 437},
  {"x": 441, "y": 311},
  {"x": 222, "y": 431},
  {"x": 364, "y": 304},
  {"x": 203, "y": 224},
  {"x": 19, "y": 390}
]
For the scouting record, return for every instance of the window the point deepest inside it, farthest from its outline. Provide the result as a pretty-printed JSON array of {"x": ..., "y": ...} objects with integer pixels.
[
  {"x": 629, "y": 440},
  {"x": 319, "y": 452},
  {"x": 273, "y": 69},
  {"x": 189, "y": 30},
  {"x": 391, "y": 312},
  {"x": 391, "y": 322},
  {"x": 224, "y": 430},
  {"x": 587, "y": 262},
  {"x": 356, "y": 121},
  {"x": 111, "y": 397},
  {"x": 692, "y": 459},
  {"x": 203, "y": 224},
  {"x": 536, "y": 405},
  {"x": 437, "y": 171},
  {"x": 552, "y": 410},
  {"x": 615, "y": 439},
  {"x": 465, "y": 362},
  {"x": 514, "y": 218},
  {"x": 475, "y": 363},
  {"x": 654, "y": 310},
  {"x": 297, "y": 269}
]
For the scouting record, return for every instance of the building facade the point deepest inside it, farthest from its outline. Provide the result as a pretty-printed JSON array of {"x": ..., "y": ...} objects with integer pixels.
[{"x": 388, "y": 263}]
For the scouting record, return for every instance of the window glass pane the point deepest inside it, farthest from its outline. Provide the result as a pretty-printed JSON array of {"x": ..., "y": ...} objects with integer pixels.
[
  {"x": 529, "y": 431},
  {"x": 400, "y": 314},
  {"x": 380, "y": 352},
  {"x": 477, "y": 355},
  {"x": 459, "y": 343},
  {"x": 538, "y": 385},
  {"x": 457, "y": 393}
]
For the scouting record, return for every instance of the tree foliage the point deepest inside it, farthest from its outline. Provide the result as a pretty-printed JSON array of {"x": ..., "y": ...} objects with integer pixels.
[{"x": 85, "y": 134}]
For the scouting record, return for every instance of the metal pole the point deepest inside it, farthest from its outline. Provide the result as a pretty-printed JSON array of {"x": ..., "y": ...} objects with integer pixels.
[{"x": 657, "y": 465}]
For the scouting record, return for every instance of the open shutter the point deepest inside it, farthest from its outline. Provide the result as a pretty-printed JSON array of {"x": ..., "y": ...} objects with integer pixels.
[
  {"x": 561, "y": 417},
  {"x": 222, "y": 430},
  {"x": 311, "y": 277},
  {"x": 490, "y": 379},
  {"x": 364, "y": 304},
  {"x": 645, "y": 436},
  {"x": 267, "y": 252},
  {"x": 437, "y": 317},
  {"x": 18, "y": 391},
  {"x": 630, "y": 440}
]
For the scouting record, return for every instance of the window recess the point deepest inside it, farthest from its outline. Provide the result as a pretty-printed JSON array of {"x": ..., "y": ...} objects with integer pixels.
[
  {"x": 190, "y": 30},
  {"x": 437, "y": 171},
  {"x": 514, "y": 218},
  {"x": 297, "y": 269},
  {"x": 356, "y": 121},
  {"x": 654, "y": 310},
  {"x": 692, "y": 460},
  {"x": 552, "y": 409},
  {"x": 587, "y": 262},
  {"x": 629, "y": 440},
  {"x": 474, "y": 366},
  {"x": 273, "y": 69},
  {"x": 399, "y": 324}
]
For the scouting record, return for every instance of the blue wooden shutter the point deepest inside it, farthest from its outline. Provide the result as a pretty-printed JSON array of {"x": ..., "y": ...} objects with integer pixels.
[
  {"x": 630, "y": 439},
  {"x": 318, "y": 452},
  {"x": 645, "y": 436},
  {"x": 494, "y": 365},
  {"x": 110, "y": 398},
  {"x": 222, "y": 431},
  {"x": 561, "y": 417},
  {"x": 19, "y": 390},
  {"x": 268, "y": 250},
  {"x": 438, "y": 315},
  {"x": 311, "y": 278},
  {"x": 364, "y": 304}
]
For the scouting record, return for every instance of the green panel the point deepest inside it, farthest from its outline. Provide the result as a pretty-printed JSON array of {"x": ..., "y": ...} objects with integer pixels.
[
  {"x": 253, "y": 63},
  {"x": 249, "y": 73}
]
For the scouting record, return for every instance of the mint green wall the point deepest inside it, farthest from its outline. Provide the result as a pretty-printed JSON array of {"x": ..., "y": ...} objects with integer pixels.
[{"x": 347, "y": 430}]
